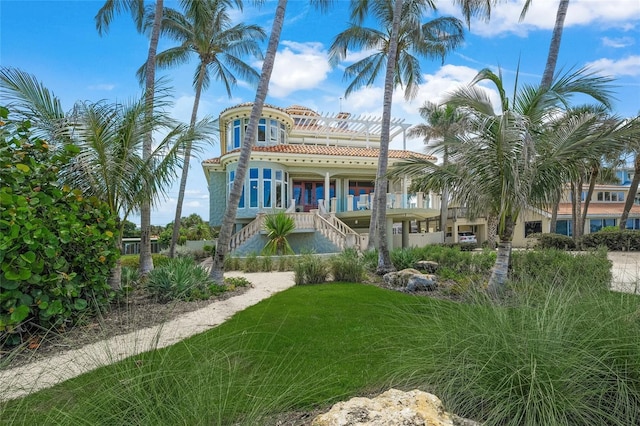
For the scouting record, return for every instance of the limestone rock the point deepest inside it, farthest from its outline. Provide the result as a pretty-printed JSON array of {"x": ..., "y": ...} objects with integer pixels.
[
  {"x": 392, "y": 408},
  {"x": 422, "y": 283},
  {"x": 427, "y": 265},
  {"x": 410, "y": 280}
]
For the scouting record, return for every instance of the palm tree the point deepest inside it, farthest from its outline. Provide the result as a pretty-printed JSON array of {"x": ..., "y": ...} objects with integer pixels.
[
  {"x": 206, "y": 31},
  {"x": 278, "y": 227},
  {"x": 403, "y": 34},
  {"x": 497, "y": 165},
  {"x": 229, "y": 217},
  {"x": 103, "y": 19},
  {"x": 110, "y": 138},
  {"x": 443, "y": 123}
]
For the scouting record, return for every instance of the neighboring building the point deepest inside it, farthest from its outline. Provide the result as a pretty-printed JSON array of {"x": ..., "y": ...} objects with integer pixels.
[
  {"x": 321, "y": 169},
  {"x": 605, "y": 209}
]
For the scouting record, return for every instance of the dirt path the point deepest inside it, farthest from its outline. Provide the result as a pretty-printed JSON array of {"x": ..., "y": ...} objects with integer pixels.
[{"x": 626, "y": 271}]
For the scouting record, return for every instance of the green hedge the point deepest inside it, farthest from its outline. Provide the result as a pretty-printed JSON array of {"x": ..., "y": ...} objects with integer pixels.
[
  {"x": 614, "y": 240},
  {"x": 133, "y": 260},
  {"x": 553, "y": 241}
]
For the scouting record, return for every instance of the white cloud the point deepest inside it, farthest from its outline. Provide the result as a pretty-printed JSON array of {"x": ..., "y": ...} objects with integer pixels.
[
  {"x": 542, "y": 15},
  {"x": 627, "y": 66},
  {"x": 618, "y": 42},
  {"x": 103, "y": 86},
  {"x": 299, "y": 66}
]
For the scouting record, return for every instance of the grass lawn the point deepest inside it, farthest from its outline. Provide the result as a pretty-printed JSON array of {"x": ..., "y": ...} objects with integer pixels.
[{"x": 567, "y": 357}]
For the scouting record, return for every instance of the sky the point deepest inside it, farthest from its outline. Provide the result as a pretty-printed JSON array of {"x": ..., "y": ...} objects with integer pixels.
[{"x": 57, "y": 41}]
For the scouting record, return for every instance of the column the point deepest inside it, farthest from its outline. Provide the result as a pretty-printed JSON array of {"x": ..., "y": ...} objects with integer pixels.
[{"x": 405, "y": 233}]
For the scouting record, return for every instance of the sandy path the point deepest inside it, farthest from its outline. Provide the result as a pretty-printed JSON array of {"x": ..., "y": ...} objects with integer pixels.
[
  {"x": 626, "y": 271},
  {"x": 20, "y": 381}
]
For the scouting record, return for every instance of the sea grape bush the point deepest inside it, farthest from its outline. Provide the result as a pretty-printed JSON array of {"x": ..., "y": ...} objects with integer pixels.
[{"x": 57, "y": 248}]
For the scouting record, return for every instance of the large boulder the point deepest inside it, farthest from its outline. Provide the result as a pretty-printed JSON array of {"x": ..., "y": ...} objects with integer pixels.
[
  {"x": 392, "y": 408},
  {"x": 410, "y": 280}
]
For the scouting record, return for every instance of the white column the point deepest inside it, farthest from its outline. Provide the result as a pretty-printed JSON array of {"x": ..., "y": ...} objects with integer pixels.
[{"x": 326, "y": 190}]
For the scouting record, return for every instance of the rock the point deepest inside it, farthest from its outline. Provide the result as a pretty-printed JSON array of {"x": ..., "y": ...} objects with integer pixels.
[
  {"x": 422, "y": 283},
  {"x": 427, "y": 265},
  {"x": 400, "y": 278},
  {"x": 410, "y": 280},
  {"x": 392, "y": 408}
]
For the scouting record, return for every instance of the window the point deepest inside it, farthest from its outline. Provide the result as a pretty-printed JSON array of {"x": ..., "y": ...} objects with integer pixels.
[
  {"x": 237, "y": 136},
  {"x": 262, "y": 132},
  {"x": 597, "y": 224},
  {"x": 266, "y": 188},
  {"x": 232, "y": 176},
  {"x": 279, "y": 189},
  {"x": 610, "y": 196},
  {"x": 273, "y": 132},
  {"x": 633, "y": 224},
  {"x": 564, "y": 227},
  {"x": 532, "y": 227},
  {"x": 253, "y": 188}
]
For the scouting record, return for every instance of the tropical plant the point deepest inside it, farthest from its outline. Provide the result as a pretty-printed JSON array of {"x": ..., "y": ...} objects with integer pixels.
[
  {"x": 57, "y": 247},
  {"x": 111, "y": 139},
  {"x": 402, "y": 36},
  {"x": 179, "y": 279},
  {"x": 278, "y": 227},
  {"x": 229, "y": 217},
  {"x": 205, "y": 30},
  {"x": 103, "y": 19},
  {"x": 441, "y": 124},
  {"x": 347, "y": 266},
  {"x": 498, "y": 167}
]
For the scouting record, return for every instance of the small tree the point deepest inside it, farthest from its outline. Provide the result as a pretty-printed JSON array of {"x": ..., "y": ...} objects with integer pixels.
[{"x": 278, "y": 227}]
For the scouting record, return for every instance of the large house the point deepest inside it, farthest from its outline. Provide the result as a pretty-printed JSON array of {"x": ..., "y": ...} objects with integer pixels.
[{"x": 320, "y": 169}]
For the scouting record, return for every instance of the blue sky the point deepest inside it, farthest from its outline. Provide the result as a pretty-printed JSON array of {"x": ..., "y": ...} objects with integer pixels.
[{"x": 57, "y": 41}]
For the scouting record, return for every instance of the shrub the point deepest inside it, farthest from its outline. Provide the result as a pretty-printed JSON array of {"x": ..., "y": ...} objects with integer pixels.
[
  {"x": 347, "y": 266},
  {"x": 405, "y": 258},
  {"x": 179, "y": 279},
  {"x": 541, "y": 270},
  {"x": 133, "y": 260},
  {"x": 236, "y": 282},
  {"x": 370, "y": 260},
  {"x": 553, "y": 241},
  {"x": 614, "y": 240},
  {"x": 251, "y": 263},
  {"x": 267, "y": 264},
  {"x": 278, "y": 227},
  {"x": 57, "y": 248},
  {"x": 310, "y": 269}
]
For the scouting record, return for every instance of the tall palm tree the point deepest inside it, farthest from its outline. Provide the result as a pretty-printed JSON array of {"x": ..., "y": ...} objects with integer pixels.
[
  {"x": 229, "y": 217},
  {"x": 205, "y": 30},
  {"x": 402, "y": 35},
  {"x": 442, "y": 124},
  {"x": 497, "y": 164},
  {"x": 103, "y": 19}
]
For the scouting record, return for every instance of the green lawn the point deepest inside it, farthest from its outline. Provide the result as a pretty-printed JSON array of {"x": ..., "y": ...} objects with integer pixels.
[{"x": 567, "y": 359}]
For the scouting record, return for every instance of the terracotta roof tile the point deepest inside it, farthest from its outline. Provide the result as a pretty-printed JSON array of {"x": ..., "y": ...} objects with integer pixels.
[
  {"x": 600, "y": 209},
  {"x": 332, "y": 150}
]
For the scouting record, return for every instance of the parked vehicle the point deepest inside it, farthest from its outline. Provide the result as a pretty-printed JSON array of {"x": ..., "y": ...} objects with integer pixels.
[{"x": 467, "y": 237}]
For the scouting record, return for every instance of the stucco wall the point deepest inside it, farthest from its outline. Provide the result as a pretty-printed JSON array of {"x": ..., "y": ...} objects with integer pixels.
[{"x": 217, "y": 197}]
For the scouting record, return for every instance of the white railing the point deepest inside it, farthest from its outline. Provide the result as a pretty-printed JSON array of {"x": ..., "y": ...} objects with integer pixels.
[
  {"x": 330, "y": 227},
  {"x": 247, "y": 232}
]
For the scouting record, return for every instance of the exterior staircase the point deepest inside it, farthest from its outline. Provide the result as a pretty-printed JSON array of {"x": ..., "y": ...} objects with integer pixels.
[{"x": 328, "y": 226}]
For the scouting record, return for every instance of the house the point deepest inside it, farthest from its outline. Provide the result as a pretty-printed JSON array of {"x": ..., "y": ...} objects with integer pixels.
[
  {"x": 321, "y": 170},
  {"x": 605, "y": 209}
]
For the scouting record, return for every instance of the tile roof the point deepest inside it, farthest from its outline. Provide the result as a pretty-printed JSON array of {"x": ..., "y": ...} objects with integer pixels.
[
  {"x": 600, "y": 209},
  {"x": 331, "y": 150}
]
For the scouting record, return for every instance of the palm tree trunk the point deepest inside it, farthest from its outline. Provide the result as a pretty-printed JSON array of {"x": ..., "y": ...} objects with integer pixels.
[
  {"x": 444, "y": 210},
  {"x": 492, "y": 232},
  {"x": 146, "y": 261},
  {"x": 587, "y": 200},
  {"x": 554, "y": 47},
  {"x": 373, "y": 224},
  {"x": 384, "y": 259},
  {"x": 175, "y": 234},
  {"x": 500, "y": 269},
  {"x": 631, "y": 195},
  {"x": 554, "y": 211},
  {"x": 217, "y": 270}
]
